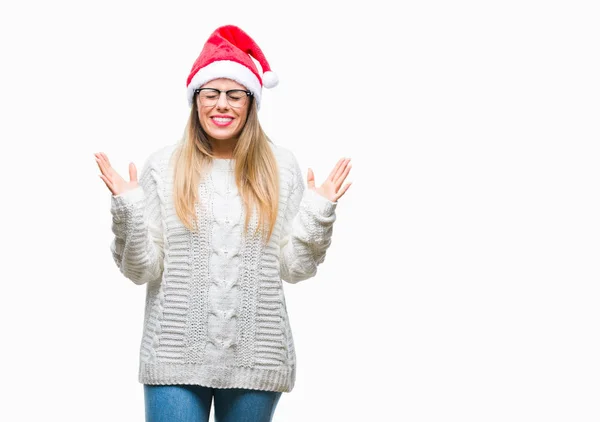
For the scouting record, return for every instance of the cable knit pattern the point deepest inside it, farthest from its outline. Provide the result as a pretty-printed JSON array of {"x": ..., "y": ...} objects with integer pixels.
[{"x": 215, "y": 312}]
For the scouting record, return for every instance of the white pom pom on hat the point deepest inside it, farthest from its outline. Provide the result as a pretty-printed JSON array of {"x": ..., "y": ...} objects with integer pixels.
[
  {"x": 228, "y": 53},
  {"x": 270, "y": 79}
]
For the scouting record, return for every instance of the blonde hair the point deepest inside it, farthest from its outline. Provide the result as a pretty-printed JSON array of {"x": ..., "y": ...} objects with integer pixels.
[{"x": 256, "y": 172}]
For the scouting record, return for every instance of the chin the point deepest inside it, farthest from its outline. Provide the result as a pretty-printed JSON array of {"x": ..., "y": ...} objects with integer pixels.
[{"x": 222, "y": 136}]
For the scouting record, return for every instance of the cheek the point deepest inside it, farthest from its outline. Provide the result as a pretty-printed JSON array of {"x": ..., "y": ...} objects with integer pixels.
[
  {"x": 242, "y": 123},
  {"x": 204, "y": 120},
  {"x": 243, "y": 118}
]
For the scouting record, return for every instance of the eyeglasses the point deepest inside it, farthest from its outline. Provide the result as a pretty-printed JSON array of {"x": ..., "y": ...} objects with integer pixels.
[{"x": 210, "y": 96}]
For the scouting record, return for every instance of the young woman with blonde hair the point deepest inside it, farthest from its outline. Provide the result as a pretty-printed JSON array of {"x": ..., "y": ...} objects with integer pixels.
[{"x": 212, "y": 227}]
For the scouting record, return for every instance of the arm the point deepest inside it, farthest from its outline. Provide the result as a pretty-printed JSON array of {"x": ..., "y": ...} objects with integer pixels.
[
  {"x": 306, "y": 232},
  {"x": 137, "y": 247}
]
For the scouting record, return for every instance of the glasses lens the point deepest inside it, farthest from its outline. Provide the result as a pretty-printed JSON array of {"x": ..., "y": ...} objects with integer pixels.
[
  {"x": 236, "y": 98},
  {"x": 208, "y": 97}
]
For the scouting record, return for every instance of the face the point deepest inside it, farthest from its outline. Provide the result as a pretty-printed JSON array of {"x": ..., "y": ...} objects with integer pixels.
[{"x": 222, "y": 121}]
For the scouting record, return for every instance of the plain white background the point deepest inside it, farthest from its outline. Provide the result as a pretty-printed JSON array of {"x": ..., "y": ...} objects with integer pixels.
[{"x": 462, "y": 281}]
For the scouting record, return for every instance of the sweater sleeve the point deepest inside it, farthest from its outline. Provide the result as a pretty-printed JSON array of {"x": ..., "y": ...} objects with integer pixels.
[
  {"x": 137, "y": 246},
  {"x": 306, "y": 232}
]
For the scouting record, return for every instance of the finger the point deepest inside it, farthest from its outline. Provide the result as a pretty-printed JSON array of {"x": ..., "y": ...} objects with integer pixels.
[
  {"x": 342, "y": 191},
  {"x": 340, "y": 170},
  {"x": 342, "y": 177},
  {"x": 310, "y": 179},
  {"x": 105, "y": 157},
  {"x": 103, "y": 160},
  {"x": 108, "y": 184},
  {"x": 101, "y": 165},
  {"x": 100, "y": 156},
  {"x": 334, "y": 171},
  {"x": 132, "y": 173},
  {"x": 103, "y": 169},
  {"x": 109, "y": 170}
]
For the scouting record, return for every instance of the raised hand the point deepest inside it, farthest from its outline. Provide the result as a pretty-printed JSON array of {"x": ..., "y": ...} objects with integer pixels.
[
  {"x": 330, "y": 188},
  {"x": 115, "y": 183}
]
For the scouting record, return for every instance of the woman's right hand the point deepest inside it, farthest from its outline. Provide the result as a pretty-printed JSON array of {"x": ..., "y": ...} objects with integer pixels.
[{"x": 115, "y": 183}]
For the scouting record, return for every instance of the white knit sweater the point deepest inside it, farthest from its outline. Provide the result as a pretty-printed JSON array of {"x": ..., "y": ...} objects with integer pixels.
[{"x": 215, "y": 312}]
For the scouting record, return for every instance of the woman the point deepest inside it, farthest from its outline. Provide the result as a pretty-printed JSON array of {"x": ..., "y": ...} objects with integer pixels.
[{"x": 214, "y": 225}]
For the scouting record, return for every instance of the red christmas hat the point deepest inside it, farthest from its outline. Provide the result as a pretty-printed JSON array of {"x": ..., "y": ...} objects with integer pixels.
[{"x": 226, "y": 54}]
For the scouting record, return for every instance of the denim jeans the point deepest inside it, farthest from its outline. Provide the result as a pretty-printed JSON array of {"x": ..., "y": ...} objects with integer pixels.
[{"x": 192, "y": 403}]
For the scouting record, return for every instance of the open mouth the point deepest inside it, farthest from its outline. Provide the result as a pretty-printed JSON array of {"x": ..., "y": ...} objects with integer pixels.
[{"x": 222, "y": 121}]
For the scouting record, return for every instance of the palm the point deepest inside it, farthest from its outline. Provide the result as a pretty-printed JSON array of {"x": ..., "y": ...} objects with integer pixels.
[
  {"x": 115, "y": 183},
  {"x": 332, "y": 187}
]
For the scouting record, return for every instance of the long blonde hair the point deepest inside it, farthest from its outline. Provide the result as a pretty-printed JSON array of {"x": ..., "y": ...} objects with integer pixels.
[{"x": 256, "y": 172}]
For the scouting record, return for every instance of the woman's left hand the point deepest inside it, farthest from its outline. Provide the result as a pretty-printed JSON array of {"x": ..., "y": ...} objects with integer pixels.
[{"x": 330, "y": 189}]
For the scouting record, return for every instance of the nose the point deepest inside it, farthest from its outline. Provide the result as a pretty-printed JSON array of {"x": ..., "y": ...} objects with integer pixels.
[{"x": 222, "y": 102}]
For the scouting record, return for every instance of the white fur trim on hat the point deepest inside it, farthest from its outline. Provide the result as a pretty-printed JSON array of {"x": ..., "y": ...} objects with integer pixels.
[{"x": 225, "y": 69}]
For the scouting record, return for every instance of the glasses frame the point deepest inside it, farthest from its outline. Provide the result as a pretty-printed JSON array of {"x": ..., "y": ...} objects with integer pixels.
[{"x": 248, "y": 94}]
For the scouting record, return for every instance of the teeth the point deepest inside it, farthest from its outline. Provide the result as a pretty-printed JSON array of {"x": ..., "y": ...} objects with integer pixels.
[{"x": 222, "y": 119}]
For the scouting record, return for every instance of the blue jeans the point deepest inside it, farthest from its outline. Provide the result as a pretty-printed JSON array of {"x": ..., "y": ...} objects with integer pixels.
[{"x": 192, "y": 403}]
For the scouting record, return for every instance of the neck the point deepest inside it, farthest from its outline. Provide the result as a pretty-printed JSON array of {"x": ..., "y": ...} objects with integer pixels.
[{"x": 223, "y": 148}]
